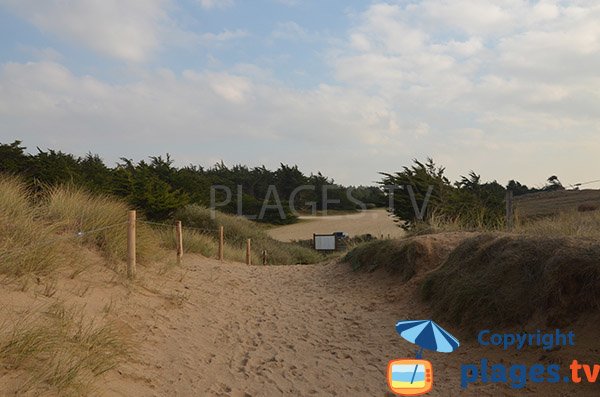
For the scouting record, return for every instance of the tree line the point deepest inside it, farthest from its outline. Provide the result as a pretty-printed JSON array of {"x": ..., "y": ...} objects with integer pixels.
[
  {"x": 159, "y": 188},
  {"x": 469, "y": 202}
]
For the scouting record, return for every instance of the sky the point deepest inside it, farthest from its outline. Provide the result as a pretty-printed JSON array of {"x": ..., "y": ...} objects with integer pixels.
[{"x": 509, "y": 89}]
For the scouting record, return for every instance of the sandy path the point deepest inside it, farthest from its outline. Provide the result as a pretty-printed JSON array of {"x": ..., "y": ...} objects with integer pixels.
[
  {"x": 271, "y": 331},
  {"x": 266, "y": 332},
  {"x": 376, "y": 222}
]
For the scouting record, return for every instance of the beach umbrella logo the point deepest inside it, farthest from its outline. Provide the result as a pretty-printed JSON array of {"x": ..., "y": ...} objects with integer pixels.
[{"x": 413, "y": 377}]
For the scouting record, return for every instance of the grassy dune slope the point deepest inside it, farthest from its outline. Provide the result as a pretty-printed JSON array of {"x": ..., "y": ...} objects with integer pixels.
[{"x": 474, "y": 279}]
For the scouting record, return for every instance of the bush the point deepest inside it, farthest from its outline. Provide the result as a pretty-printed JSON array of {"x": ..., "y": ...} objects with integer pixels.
[{"x": 468, "y": 202}]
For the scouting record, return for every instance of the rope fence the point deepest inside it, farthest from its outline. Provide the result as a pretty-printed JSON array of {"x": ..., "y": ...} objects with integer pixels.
[
  {"x": 131, "y": 224},
  {"x": 78, "y": 235},
  {"x": 179, "y": 233}
]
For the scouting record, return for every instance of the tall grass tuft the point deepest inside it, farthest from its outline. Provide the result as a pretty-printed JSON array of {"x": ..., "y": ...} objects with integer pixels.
[
  {"x": 60, "y": 350},
  {"x": 238, "y": 230},
  {"x": 564, "y": 224},
  {"x": 27, "y": 243},
  {"x": 103, "y": 221},
  {"x": 193, "y": 241}
]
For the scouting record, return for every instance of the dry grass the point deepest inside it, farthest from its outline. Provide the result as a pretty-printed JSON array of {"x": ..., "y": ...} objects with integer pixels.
[
  {"x": 542, "y": 204},
  {"x": 27, "y": 243},
  {"x": 57, "y": 350},
  {"x": 193, "y": 241},
  {"x": 570, "y": 223},
  {"x": 442, "y": 224},
  {"x": 565, "y": 224},
  {"x": 74, "y": 210},
  {"x": 506, "y": 279},
  {"x": 397, "y": 256}
]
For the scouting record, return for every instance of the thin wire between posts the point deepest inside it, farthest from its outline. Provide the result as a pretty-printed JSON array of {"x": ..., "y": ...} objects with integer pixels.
[
  {"x": 77, "y": 235},
  {"x": 172, "y": 225}
]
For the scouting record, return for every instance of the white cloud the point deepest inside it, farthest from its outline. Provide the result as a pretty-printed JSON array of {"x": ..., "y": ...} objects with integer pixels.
[
  {"x": 129, "y": 30},
  {"x": 211, "y": 4},
  {"x": 518, "y": 72},
  {"x": 201, "y": 113},
  {"x": 485, "y": 80},
  {"x": 226, "y": 35},
  {"x": 290, "y": 30}
]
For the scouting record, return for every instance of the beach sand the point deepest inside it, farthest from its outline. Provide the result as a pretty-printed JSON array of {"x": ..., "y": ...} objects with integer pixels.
[{"x": 226, "y": 329}]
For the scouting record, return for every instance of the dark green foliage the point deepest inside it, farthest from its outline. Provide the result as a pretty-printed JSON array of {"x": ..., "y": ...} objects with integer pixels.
[
  {"x": 518, "y": 189},
  {"x": 553, "y": 183},
  {"x": 159, "y": 188},
  {"x": 468, "y": 201}
]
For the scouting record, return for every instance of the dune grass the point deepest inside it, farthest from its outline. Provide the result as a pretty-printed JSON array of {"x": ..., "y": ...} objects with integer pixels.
[
  {"x": 59, "y": 350},
  {"x": 39, "y": 235},
  {"x": 193, "y": 241},
  {"x": 27, "y": 243},
  {"x": 397, "y": 256},
  {"x": 102, "y": 220},
  {"x": 565, "y": 224},
  {"x": 237, "y": 230},
  {"x": 568, "y": 223},
  {"x": 506, "y": 279}
]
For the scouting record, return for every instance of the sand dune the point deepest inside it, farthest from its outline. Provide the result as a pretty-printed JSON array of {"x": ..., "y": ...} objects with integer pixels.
[
  {"x": 226, "y": 329},
  {"x": 297, "y": 330}
]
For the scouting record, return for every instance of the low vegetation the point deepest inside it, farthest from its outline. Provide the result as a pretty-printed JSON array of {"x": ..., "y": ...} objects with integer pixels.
[
  {"x": 400, "y": 257},
  {"x": 477, "y": 279},
  {"x": 27, "y": 243},
  {"x": 506, "y": 279},
  {"x": 40, "y": 232},
  {"x": 237, "y": 230},
  {"x": 58, "y": 351}
]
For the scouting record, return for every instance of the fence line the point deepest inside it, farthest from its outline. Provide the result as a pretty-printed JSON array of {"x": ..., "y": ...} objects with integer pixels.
[
  {"x": 175, "y": 224},
  {"x": 51, "y": 241},
  {"x": 131, "y": 241}
]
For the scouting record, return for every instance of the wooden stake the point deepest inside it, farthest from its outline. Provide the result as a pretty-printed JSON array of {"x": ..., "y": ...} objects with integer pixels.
[
  {"x": 264, "y": 257},
  {"x": 509, "y": 210},
  {"x": 179, "y": 235},
  {"x": 248, "y": 252},
  {"x": 221, "y": 238},
  {"x": 131, "y": 257}
]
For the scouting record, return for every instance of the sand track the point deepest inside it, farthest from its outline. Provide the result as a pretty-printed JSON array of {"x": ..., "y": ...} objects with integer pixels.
[
  {"x": 317, "y": 330},
  {"x": 252, "y": 331}
]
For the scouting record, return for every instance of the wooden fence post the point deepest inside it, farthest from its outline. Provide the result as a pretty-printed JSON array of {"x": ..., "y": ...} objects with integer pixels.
[
  {"x": 221, "y": 238},
  {"x": 179, "y": 235},
  {"x": 510, "y": 214},
  {"x": 248, "y": 252},
  {"x": 131, "y": 244},
  {"x": 264, "y": 257}
]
